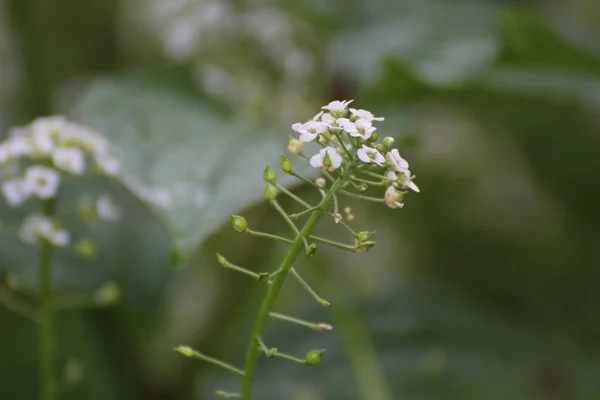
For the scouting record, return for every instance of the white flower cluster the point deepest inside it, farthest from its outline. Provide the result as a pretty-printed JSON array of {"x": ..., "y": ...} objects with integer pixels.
[
  {"x": 33, "y": 160},
  {"x": 347, "y": 136}
]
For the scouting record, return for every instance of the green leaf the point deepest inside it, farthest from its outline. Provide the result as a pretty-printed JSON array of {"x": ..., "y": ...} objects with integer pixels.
[{"x": 191, "y": 163}]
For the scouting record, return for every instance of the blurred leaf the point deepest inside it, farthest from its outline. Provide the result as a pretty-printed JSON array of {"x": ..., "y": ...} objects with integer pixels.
[
  {"x": 443, "y": 43},
  {"x": 187, "y": 160}
]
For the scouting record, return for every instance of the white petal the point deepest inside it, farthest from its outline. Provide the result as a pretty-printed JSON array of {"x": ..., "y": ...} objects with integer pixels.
[
  {"x": 316, "y": 161},
  {"x": 336, "y": 159},
  {"x": 307, "y": 136},
  {"x": 413, "y": 186},
  {"x": 363, "y": 155},
  {"x": 327, "y": 118}
]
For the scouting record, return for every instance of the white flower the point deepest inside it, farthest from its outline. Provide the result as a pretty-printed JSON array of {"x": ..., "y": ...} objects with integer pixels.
[
  {"x": 108, "y": 165},
  {"x": 337, "y": 107},
  {"x": 327, "y": 118},
  {"x": 16, "y": 192},
  {"x": 4, "y": 153},
  {"x": 310, "y": 130},
  {"x": 409, "y": 183},
  {"x": 399, "y": 163},
  {"x": 391, "y": 198},
  {"x": 327, "y": 157},
  {"x": 42, "y": 142},
  {"x": 69, "y": 159},
  {"x": 37, "y": 226},
  {"x": 364, "y": 114},
  {"x": 106, "y": 209},
  {"x": 18, "y": 146},
  {"x": 368, "y": 155},
  {"x": 391, "y": 175},
  {"x": 361, "y": 128},
  {"x": 42, "y": 181}
]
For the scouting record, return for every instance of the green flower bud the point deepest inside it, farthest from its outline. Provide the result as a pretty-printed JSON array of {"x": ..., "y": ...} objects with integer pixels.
[
  {"x": 263, "y": 277},
  {"x": 271, "y": 192},
  {"x": 363, "y": 247},
  {"x": 295, "y": 146},
  {"x": 373, "y": 138},
  {"x": 185, "y": 351},
  {"x": 109, "y": 293},
  {"x": 364, "y": 236},
  {"x": 222, "y": 260},
  {"x": 269, "y": 175},
  {"x": 314, "y": 357},
  {"x": 86, "y": 248},
  {"x": 271, "y": 352},
  {"x": 286, "y": 165},
  {"x": 362, "y": 188},
  {"x": 239, "y": 223},
  {"x": 379, "y": 147},
  {"x": 388, "y": 141},
  {"x": 310, "y": 250}
]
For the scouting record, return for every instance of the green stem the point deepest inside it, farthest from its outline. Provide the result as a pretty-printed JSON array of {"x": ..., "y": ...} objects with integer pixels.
[
  {"x": 189, "y": 352},
  {"x": 293, "y": 196},
  {"x": 333, "y": 243},
  {"x": 310, "y": 290},
  {"x": 321, "y": 326},
  {"x": 288, "y": 220},
  {"x": 267, "y": 304},
  {"x": 267, "y": 236},
  {"x": 361, "y": 197},
  {"x": 46, "y": 328}
]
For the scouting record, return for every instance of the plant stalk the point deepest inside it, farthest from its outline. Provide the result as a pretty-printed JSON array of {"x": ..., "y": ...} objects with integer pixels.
[
  {"x": 46, "y": 327},
  {"x": 267, "y": 304}
]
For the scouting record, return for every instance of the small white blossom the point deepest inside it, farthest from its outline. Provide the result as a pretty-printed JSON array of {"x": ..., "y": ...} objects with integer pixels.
[
  {"x": 337, "y": 107},
  {"x": 69, "y": 159},
  {"x": 391, "y": 198},
  {"x": 327, "y": 157},
  {"x": 37, "y": 226},
  {"x": 368, "y": 155},
  {"x": 108, "y": 165},
  {"x": 15, "y": 191},
  {"x": 4, "y": 153},
  {"x": 409, "y": 183},
  {"x": 42, "y": 181},
  {"x": 364, "y": 114},
  {"x": 106, "y": 209},
  {"x": 328, "y": 119},
  {"x": 361, "y": 128},
  {"x": 18, "y": 146},
  {"x": 399, "y": 163},
  {"x": 310, "y": 130}
]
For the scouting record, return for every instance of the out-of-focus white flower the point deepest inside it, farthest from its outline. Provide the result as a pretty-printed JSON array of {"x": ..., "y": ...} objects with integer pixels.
[
  {"x": 364, "y": 114},
  {"x": 370, "y": 155},
  {"x": 108, "y": 165},
  {"x": 392, "y": 197},
  {"x": 327, "y": 157},
  {"x": 337, "y": 107},
  {"x": 69, "y": 159},
  {"x": 18, "y": 146},
  {"x": 37, "y": 226},
  {"x": 4, "y": 154},
  {"x": 106, "y": 209},
  {"x": 310, "y": 130},
  {"x": 15, "y": 191},
  {"x": 327, "y": 118},
  {"x": 42, "y": 181}
]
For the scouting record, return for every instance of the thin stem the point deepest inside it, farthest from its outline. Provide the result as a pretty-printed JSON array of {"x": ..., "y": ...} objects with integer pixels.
[
  {"x": 46, "y": 328},
  {"x": 274, "y": 353},
  {"x": 351, "y": 155},
  {"x": 289, "y": 221},
  {"x": 293, "y": 196},
  {"x": 361, "y": 197},
  {"x": 227, "y": 395},
  {"x": 267, "y": 236},
  {"x": 368, "y": 182},
  {"x": 373, "y": 174},
  {"x": 335, "y": 205},
  {"x": 267, "y": 304},
  {"x": 305, "y": 285},
  {"x": 308, "y": 181},
  {"x": 12, "y": 303},
  {"x": 333, "y": 243},
  {"x": 223, "y": 261},
  {"x": 191, "y": 353},
  {"x": 321, "y": 326},
  {"x": 301, "y": 213}
]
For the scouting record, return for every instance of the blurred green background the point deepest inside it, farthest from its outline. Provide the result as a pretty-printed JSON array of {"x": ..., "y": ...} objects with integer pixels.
[{"x": 485, "y": 286}]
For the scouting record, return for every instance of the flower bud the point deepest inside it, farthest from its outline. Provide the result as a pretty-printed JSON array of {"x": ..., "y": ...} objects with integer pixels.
[
  {"x": 271, "y": 352},
  {"x": 295, "y": 146},
  {"x": 321, "y": 181},
  {"x": 388, "y": 141},
  {"x": 310, "y": 250},
  {"x": 286, "y": 165},
  {"x": 379, "y": 147},
  {"x": 271, "y": 192},
  {"x": 364, "y": 236},
  {"x": 86, "y": 248},
  {"x": 239, "y": 223},
  {"x": 109, "y": 293},
  {"x": 363, "y": 247},
  {"x": 185, "y": 351},
  {"x": 372, "y": 138},
  {"x": 269, "y": 175},
  {"x": 362, "y": 188},
  {"x": 314, "y": 357},
  {"x": 337, "y": 218}
]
